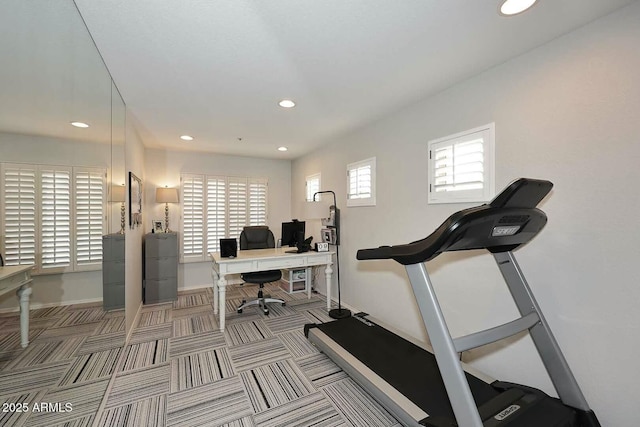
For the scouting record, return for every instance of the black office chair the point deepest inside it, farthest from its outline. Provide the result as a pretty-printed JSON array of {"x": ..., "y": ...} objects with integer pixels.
[{"x": 259, "y": 237}]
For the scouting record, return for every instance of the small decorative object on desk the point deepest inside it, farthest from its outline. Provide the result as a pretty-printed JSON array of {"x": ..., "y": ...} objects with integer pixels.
[
  {"x": 157, "y": 226},
  {"x": 322, "y": 247}
]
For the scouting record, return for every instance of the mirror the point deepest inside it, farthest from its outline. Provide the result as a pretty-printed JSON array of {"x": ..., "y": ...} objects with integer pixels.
[{"x": 55, "y": 213}]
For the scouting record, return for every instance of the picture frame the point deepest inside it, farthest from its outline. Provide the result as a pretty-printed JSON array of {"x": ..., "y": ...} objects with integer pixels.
[
  {"x": 156, "y": 226},
  {"x": 135, "y": 201}
]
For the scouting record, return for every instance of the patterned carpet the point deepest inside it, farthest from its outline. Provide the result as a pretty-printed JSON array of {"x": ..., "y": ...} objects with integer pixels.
[{"x": 178, "y": 369}]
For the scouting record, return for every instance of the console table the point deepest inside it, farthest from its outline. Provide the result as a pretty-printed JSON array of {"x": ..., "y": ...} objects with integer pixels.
[
  {"x": 18, "y": 277},
  {"x": 249, "y": 261}
]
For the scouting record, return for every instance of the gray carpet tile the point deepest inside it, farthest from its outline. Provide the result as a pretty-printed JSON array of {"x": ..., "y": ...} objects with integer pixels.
[
  {"x": 194, "y": 311},
  {"x": 320, "y": 369},
  {"x": 69, "y": 403},
  {"x": 49, "y": 312},
  {"x": 151, "y": 412},
  {"x": 258, "y": 353},
  {"x": 86, "y": 421},
  {"x": 195, "y": 324},
  {"x": 318, "y": 314},
  {"x": 111, "y": 324},
  {"x": 140, "y": 384},
  {"x": 91, "y": 366},
  {"x": 242, "y": 422},
  {"x": 17, "y": 381},
  {"x": 16, "y": 409},
  {"x": 191, "y": 299},
  {"x": 286, "y": 323},
  {"x": 180, "y": 346},
  {"x": 155, "y": 315},
  {"x": 197, "y": 369},
  {"x": 48, "y": 351},
  {"x": 297, "y": 343},
  {"x": 145, "y": 354},
  {"x": 214, "y": 404},
  {"x": 64, "y": 332},
  {"x": 151, "y": 333},
  {"x": 312, "y": 410},
  {"x": 102, "y": 342},
  {"x": 10, "y": 341},
  {"x": 245, "y": 332},
  {"x": 80, "y": 317},
  {"x": 13, "y": 324},
  {"x": 275, "y": 384},
  {"x": 356, "y": 406}
]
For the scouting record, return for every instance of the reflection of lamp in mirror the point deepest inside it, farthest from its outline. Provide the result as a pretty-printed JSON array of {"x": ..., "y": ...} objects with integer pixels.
[
  {"x": 166, "y": 196},
  {"x": 117, "y": 196}
]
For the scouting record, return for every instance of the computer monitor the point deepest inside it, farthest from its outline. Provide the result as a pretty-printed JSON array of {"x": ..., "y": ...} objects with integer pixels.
[{"x": 292, "y": 233}]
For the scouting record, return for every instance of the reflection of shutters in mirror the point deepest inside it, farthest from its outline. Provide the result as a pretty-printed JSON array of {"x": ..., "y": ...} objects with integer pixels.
[
  {"x": 18, "y": 194},
  {"x": 216, "y": 212},
  {"x": 238, "y": 209},
  {"x": 55, "y": 217},
  {"x": 89, "y": 211},
  {"x": 257, "y": 201},
  {"x": 192, "y": 215}
]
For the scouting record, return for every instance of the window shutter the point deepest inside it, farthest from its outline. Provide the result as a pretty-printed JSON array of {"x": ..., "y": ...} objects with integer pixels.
[
  {"x": 90, "y": 193},
  {"x": 216, "y": 212},
  {"x": 360, "y": 182},
  {"x": 55, "y": 217},
  {"x": 19, "y": 214},
  {"x": 257, "y": 202},
  {"x": 313, "y": 186},
  {"x": 459, "y": 166},
  {"x": 238, "y": 211},
  {"x": 193, "y": 215}
]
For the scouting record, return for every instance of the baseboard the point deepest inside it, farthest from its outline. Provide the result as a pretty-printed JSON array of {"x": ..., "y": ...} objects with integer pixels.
[{"x": 52, "y": 304}]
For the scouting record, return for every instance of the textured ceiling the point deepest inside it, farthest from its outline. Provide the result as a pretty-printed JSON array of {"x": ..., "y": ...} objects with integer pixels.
[{"x": 216, "y": 69}]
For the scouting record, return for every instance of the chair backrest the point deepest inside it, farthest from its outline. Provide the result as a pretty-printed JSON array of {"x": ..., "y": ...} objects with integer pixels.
[{"x": 257, "y": 237}]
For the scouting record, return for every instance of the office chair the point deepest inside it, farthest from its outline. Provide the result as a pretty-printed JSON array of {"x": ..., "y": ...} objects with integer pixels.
[{"x": 259, "y": 237}]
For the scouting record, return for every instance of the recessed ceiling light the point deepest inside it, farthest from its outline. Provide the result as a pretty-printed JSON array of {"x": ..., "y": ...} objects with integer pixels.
[
  {"x": 282, "y": 148},
  {"x": 79, "y": 124},
  {"x": 186, "y": 138},
  {"x": 287, "y": 103},
  {"x": 514, "y": 7}
]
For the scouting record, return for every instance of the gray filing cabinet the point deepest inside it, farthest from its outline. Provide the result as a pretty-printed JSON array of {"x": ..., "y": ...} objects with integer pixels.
[
  {"x": 113, "y": 271},
  {"x": 160, "y": 257}
]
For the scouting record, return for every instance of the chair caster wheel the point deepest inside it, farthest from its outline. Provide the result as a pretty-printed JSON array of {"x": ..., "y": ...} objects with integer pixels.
[
  {"x": 284, "y": 303},
  {"x": 239, "y": 310},
  {"x": 266, "y": 312}
]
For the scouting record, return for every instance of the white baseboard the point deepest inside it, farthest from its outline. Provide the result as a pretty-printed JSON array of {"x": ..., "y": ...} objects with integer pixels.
[{"x": 51, "y": 304}]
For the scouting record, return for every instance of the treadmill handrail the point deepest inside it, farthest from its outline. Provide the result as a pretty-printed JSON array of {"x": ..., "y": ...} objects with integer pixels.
[{"x": 511, "y": 219}]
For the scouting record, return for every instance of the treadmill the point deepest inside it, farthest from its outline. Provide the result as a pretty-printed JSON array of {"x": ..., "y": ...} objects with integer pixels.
[{"x": 432, "y": 387}]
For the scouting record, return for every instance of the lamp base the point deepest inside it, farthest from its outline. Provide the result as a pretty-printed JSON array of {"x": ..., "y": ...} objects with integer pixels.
[{"x": 339, "y": 313}]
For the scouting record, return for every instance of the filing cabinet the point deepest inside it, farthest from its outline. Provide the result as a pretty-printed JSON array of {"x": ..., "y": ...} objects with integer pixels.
[
  {"x": 113, "y": 271},
  {"x": 160, "y": 257}
]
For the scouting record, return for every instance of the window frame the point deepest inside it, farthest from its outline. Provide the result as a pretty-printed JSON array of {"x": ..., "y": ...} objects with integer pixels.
[
  {"x": 309, "y": 183},
  {"x": 487, "y": 192},
  {"x": 362, "y": 201}
]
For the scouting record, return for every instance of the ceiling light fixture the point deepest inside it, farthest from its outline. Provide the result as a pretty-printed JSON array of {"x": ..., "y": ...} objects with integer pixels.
[
  {"x": 287, "y": 103},
  {"x": 282, "y": 148},
  {"x": 79, "y": 124},
  {"x": 186, "y": 138},
  {"x": 514, "y": 7}
]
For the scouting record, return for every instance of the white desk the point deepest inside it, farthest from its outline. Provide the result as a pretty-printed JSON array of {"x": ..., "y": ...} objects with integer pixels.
[
  {"x": 18, "y": 277},
  {"x": 249, "y": 261}
]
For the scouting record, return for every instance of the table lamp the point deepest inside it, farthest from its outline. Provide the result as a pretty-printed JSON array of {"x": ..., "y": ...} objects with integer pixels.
[{"x": 166, "y": 195}]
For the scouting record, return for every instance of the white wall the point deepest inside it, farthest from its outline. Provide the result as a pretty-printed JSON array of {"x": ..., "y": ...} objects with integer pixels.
[
  {"x": 67, "y": 288},
  {"x": 568, "y": 112},
  {"x": 164, "y": 168}
]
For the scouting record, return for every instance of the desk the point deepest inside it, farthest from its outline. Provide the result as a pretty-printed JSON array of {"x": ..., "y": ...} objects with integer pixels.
[
  {"x": 18, "y": 277},
  {"x": 249, "y": 261}
]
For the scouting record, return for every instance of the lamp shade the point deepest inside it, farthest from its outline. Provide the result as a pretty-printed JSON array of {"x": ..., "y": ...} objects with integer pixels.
[
  {"x": 166, "y": 195},
  {"x": 117, "y": 193}
]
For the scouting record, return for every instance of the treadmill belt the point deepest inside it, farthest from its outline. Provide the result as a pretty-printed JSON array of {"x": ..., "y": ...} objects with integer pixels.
[{"x": 410, "y": 369}]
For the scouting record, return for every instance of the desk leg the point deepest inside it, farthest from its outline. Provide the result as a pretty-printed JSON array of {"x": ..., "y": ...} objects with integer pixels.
[
  {"x": 327, "y": 274},
  {"x": 215, "y": 278},
  {"x": 23, "y": 294},
  {"x": 222, "y": 290}
]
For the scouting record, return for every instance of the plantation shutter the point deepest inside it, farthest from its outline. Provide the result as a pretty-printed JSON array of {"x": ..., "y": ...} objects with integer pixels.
[
  {"x": 238, "y": 211},
  {"x": 55, "y": 217},
  {"x": 313, "y": 186},
  {"x": 216, "y": 212},
  {"x": 459, "y": 166},
  {"x": 90, "y": 194},
  {"x": 360, "y": 182},
  {"x": 19, "y": 213},
  {"x": 257, "y": 201},
  {"x": 193, "y": 215}
]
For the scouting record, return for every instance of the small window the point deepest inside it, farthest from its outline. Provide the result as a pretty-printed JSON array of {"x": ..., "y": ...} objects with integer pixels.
[
  {"x": 361, "y": 183},
  {"x": 313, "y": 186},
  {"x": 461, "y": 166}
]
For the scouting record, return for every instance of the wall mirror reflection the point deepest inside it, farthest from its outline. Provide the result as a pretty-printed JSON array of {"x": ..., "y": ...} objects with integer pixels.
[{"x": 62, "y": 135}]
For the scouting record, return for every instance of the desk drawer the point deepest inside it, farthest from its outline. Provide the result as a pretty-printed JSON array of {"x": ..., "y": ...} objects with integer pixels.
[
  {"x": 284, "y": 262},
  {"x": 14, "y": 282}
]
